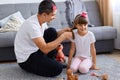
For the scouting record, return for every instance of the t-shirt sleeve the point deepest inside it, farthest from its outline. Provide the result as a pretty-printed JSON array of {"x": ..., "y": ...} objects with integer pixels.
[
  {"x": 34, "y": 31},
  {"x": 92, "y": 37}
]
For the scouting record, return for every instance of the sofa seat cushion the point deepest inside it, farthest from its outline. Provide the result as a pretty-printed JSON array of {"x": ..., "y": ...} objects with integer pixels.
[
  {"x": 7, "y": 39},
  {"x": 104, "y": 33}
]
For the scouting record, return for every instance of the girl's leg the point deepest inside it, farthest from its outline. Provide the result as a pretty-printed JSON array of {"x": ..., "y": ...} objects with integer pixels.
[
  {"x": 40, "y": 64},
  {"x": 75, "y": 64},
  {"x": 85, "y": 65}
]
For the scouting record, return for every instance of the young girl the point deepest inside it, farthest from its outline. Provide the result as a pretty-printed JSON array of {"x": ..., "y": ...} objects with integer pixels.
[{"x": 83, "y": 43}]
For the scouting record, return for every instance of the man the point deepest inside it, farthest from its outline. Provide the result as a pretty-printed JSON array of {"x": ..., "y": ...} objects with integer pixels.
[{"x": 35, "y": 43}]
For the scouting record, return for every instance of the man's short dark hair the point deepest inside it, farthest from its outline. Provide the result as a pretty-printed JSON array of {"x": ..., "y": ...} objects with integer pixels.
[{"x": 46, "y": 6}]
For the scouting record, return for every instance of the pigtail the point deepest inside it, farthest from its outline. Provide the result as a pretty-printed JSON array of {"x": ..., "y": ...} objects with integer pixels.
[{"x": 73, "y": 27}]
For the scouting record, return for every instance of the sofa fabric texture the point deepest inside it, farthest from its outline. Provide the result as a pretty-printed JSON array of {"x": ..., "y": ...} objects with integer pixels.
[{"x": 104, "y": 35}]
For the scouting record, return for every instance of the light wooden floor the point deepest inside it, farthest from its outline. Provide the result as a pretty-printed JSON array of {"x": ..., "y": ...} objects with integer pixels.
[{"x": 115, "y": 55}]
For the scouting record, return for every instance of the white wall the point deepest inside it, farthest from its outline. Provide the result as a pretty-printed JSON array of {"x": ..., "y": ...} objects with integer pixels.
[
  {"x": 116, "y": 21},
  {"x": 27, "y": 1}
]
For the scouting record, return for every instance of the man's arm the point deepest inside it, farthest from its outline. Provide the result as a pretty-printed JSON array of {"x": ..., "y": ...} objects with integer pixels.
[
  {"x": 67, "y": 29},
  {"x": 47, "y": 47}
]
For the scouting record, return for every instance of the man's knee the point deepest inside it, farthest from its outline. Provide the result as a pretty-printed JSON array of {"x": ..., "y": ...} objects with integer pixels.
[
  {"x": 50, "y": 31},
  {"x": 50, "y": 34},
  {"x": 56, "y": 71}
]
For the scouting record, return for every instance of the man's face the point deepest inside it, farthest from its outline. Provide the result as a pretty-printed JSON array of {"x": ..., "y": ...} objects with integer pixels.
[{"x": 51, "y": 16}]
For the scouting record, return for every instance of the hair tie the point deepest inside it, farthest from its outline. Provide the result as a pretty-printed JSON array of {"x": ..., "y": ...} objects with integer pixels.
[
  {"x": 54, "y": 7},
  {"x": 83, "y": 14}
]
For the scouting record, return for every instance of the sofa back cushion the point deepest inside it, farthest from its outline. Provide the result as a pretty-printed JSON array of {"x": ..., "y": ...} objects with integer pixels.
[
  {"x": 61, "y": 18},
  {"x": 8, "y": 9},
  {"x": 62, "y": 11},
  {"x": 28, "y": 9},
  {"x": 56, "y": 23},
  {"x": 93, "y": 13},
  {"x": 61, "y": 21},
  {"x": 75, "y": 7}
]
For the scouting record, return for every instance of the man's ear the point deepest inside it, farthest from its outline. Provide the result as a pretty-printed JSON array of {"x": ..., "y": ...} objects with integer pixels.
[{"x": 44, "y": 14}]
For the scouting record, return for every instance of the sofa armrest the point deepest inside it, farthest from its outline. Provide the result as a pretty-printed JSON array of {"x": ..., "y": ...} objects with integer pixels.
[{"x": 104, "y": 32}]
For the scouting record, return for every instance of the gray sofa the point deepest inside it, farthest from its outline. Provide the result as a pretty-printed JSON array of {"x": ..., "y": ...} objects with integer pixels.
[{"x": 104, "y": 35}]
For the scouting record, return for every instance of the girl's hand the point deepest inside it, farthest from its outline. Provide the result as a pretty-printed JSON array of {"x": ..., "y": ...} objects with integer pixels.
[
  {"x": 95, "y": 68},
  {"x": 68, "y": 66}
]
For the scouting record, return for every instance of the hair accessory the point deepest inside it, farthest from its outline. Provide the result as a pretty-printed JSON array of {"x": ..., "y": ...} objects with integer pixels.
[
  {"x": 83, "y": 14},
  {"x": 54, "y": 7}
]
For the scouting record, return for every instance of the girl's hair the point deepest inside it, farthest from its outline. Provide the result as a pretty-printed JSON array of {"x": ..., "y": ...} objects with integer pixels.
[
  {"x": 46, "y": 6},
  {"x": 80, "y": 19}
]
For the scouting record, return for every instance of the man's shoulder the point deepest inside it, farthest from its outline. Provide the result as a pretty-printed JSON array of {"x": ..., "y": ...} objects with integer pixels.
[{"x": 32, "y": 18}]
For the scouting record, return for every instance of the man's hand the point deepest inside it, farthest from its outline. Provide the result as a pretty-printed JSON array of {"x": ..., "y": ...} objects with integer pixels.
[{"x": 67, "y": 29}]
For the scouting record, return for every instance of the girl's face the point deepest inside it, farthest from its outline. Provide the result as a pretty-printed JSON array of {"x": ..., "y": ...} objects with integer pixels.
[{"x": 82, "y": 28}]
